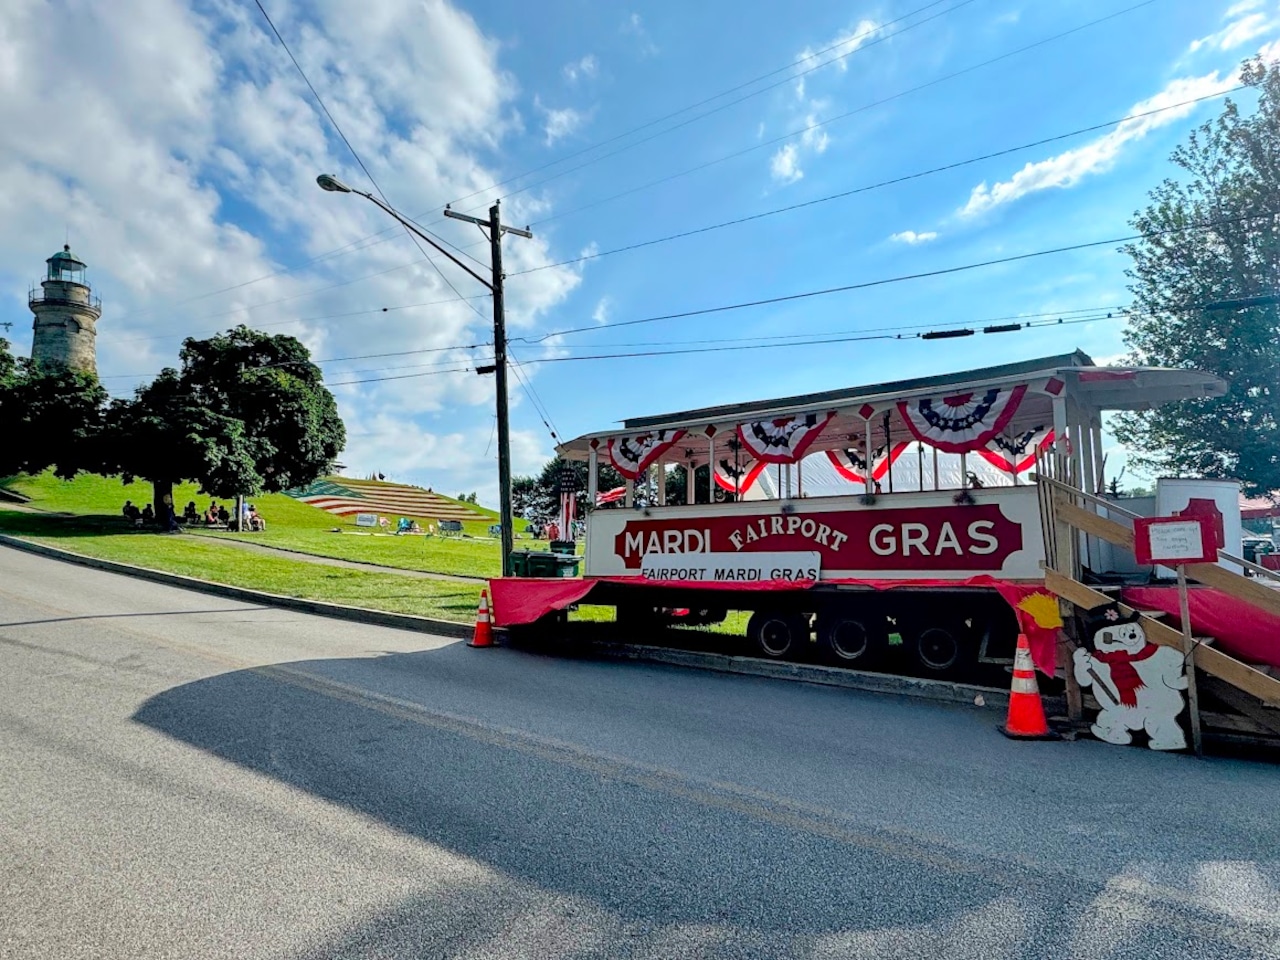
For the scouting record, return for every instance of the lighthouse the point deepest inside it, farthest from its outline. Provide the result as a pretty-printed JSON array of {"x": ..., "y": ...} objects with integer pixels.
[{"x": 66, "y": 316}]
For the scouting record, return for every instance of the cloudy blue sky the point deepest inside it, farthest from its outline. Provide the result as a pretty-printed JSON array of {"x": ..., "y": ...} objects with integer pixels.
[{"x": 176, "y": 146}]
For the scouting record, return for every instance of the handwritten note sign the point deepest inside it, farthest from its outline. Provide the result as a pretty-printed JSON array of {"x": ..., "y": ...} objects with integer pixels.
[{"x": 1174, "y": 540}]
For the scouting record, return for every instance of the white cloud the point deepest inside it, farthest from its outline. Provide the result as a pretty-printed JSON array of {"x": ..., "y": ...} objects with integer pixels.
[
  {"x": 913, "y": 238},
  {"x": 1245, "y": 22},
  {"x": 633, "y": 26},
  {"x": 183, "y": 194},
  {"x": 785, "y": 165},
  {"x": 586, "y": 68},
  {"x": 603, "y": 310},
  {"x": 559, "y": 123},
  {"x": 1070, "y": 167}
]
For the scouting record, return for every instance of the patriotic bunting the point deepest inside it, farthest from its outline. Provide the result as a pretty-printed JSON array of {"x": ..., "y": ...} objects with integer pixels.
[
  {"x": 963, "y": 422},
  {"x": 1017, "y": 454},
  {"x": 852, "y": 465},
  {"x": 784, "y": 440},
  {"x": 744, "y": 475},
  {"x": 632, "y": 455}
]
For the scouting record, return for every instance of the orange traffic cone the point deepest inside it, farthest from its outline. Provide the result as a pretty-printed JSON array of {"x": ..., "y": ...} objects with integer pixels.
[
  {"x": 1026, "y": 712},
  {"x": 484, "y": 631}
]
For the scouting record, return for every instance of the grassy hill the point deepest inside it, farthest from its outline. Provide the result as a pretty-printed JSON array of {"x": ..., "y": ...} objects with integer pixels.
[{"x": 91, "y": 508}]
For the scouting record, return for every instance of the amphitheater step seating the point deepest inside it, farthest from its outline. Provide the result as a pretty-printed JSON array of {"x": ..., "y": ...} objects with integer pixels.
[{"x": 344, "y": 497}]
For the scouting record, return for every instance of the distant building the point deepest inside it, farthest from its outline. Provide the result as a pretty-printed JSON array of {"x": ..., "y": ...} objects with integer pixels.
[{"x": 66, "y": 316}]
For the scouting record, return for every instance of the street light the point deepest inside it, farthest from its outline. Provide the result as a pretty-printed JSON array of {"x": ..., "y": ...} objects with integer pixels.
[{"x": 495, "y": 286}]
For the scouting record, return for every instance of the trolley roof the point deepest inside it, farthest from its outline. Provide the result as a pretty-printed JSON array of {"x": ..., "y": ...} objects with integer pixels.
[{"x": 1089, "y": 387}]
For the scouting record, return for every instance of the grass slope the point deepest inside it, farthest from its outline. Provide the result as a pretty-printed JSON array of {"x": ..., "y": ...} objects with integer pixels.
[{"x": 206, "y": 559}]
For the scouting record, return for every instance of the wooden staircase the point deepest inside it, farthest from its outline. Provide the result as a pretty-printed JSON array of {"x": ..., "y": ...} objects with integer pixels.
[{"x": 1244, "y": 701}]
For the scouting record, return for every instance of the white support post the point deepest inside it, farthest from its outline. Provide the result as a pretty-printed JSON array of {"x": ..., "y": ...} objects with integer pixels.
[
  {"x": 631, "y": 495},
  {"x": 1060, "y": 438},
  {"x": 800, "y": 478},
  {"x": 711, "y": 469},
  {"x": 1099, "y": 463},
  {"x": 964, "y": 471},
  {"x": 920, "y": 465},
  {"x": 869, "y": 456},
  {"x": 1088, "y": 478},
  {"x": 936, "y": 481},
  {"x": 788, "y": 474},
  {"x": 660, "y": 477},
  {"x": 593, "y": 475},
  {"x": 689, "y": 488}
]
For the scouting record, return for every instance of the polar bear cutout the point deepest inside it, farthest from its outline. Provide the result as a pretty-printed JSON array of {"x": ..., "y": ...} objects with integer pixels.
[{"x": 1137, "y": 684}]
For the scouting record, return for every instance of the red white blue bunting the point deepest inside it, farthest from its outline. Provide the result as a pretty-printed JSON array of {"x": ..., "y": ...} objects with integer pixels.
[
  {"x": 784, "y": 440},
  {"x": 852, "y": 465},
  {"x": 738, "y": 479},
  {"x": 963, "y": 422},
  {"x": 632, "y": 455},
  {"x": 1017, "y": 454}
]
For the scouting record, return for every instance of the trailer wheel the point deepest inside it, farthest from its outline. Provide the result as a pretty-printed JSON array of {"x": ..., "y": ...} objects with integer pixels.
[
  {"x": 850, "y": 639},
  {"x": 777, "y": 635},
  {"x": 938, "y": 648}
]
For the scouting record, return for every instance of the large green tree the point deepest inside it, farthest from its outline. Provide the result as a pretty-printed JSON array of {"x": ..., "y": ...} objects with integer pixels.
[
  {"x": 49, "y": 417},
  {"x": 1232, "y": 187},
  {"x": 247, "y": 413}
]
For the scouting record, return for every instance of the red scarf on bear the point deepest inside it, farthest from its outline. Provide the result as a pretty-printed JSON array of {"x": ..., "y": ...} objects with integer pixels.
[{"x": 1123, "y": 674}]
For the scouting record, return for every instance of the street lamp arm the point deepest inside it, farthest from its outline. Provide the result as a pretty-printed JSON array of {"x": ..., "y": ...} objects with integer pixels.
[{"x": 411, "y": 226}]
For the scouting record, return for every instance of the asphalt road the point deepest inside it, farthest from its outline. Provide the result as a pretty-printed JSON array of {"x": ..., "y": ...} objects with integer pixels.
[{"x": 182, "y": 776}]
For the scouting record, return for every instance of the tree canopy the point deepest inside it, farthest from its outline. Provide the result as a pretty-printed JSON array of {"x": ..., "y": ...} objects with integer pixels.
[
  {"x": 51, "y": 417},
  {"x": 247, "y": 413},
  {"x": 1210, "y": 238}
]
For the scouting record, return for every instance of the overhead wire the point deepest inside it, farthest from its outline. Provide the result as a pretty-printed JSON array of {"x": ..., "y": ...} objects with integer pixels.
[
  {"x": 356, "y": 244},
  {"x": 320, "y": 100},
  {"x": 905, "y": 178},
  {"x": 901, "y": 278}
]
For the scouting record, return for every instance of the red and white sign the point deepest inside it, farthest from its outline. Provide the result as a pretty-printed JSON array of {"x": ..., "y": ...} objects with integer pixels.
[
  {"x": 1174, "y": 540},
  {"x": 927, "y": 536}
]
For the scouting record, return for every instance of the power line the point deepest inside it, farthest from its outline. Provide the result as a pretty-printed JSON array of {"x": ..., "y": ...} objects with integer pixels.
[
  {"x": 725, "y": 349},
  {"x": 539, "y": 407},
  {"x": 355, "y": 244},
  {"x": 724, "y": 106},
  {"x": 874, "y": 186},
  {"x": 821, "y": 123},
  {"x": 724, "y": 308},
  {"x": 320, "y": 100},
  {"x": 276, "y": 323}
]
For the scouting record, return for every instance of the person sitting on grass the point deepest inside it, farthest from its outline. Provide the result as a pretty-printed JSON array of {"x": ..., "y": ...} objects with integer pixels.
[
  {"x": 256, "y": 522},
  {"x": 224, "y": 515},
  {"x": 211, "y": 515},
  {"x": 148, "y": 515},
  {"x": 131, "y": 512},
  {"x": 191, "y": 515}
]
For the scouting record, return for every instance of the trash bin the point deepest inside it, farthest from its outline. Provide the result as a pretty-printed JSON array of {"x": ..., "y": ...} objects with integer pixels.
[{"x": 542, "y": 563}]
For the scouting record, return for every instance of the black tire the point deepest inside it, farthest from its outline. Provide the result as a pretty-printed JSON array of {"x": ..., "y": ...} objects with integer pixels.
[
  {"x": 939, "y": 648},
  {"x": 853, "y": 638},
  {"x": 778, "y": 636}
]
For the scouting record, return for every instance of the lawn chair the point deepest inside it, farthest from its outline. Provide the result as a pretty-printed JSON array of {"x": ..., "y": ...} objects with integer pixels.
[
  {"x": 495, "y": 529},
  {"x": 404, "y": 525},
  {"x": 450, "y": 528}
]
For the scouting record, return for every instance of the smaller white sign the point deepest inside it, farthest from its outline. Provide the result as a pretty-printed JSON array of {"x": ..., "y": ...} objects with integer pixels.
[
  {"x": 366, "y": 519},
  {"x": 1175, "y": 541},
  {"x": 731, "y": 567}
]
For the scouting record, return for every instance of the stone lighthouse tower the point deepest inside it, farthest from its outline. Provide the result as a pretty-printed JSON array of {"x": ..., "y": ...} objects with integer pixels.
[{"x": 66, "y": 316}]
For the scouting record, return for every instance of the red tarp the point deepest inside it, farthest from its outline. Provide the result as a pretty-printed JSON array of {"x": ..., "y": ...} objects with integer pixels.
[
  {"x": 1238, "y": 628},
  {"x": 522, "y": 600}
]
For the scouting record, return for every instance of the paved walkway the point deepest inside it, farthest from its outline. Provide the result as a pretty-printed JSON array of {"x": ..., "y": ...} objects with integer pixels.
[{"x": 335, "y": 562}]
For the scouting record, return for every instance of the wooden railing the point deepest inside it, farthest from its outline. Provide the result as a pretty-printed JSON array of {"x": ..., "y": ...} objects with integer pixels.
[{"x": 1212, "y": 661}]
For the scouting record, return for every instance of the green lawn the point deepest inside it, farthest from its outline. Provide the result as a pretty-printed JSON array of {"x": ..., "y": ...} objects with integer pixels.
[
  {"x": 291, "y": 524},
  {"x": 197, "y": 556}
]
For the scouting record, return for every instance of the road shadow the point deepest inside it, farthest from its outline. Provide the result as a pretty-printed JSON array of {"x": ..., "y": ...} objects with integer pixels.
[
  {"x": 574, "y": 831},
  {"x": 592, "y": 854}
]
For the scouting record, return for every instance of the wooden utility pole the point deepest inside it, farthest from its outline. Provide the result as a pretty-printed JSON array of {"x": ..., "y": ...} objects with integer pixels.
[{"x": 496, "y": 230}]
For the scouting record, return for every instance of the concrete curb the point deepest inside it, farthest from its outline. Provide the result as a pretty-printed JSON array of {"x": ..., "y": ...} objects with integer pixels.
[
  {"x": 938, "y": 690},
  {"x": 381, "y": 618}
]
